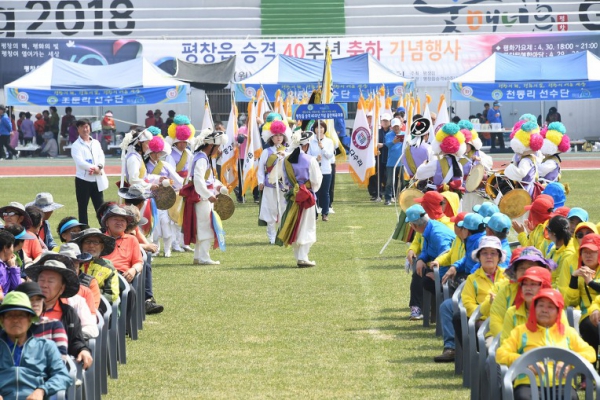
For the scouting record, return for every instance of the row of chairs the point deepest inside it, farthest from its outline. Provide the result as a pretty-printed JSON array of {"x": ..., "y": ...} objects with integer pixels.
[
  {"x": 477, "y": 363},
  {"x": 109, "y": 348}
]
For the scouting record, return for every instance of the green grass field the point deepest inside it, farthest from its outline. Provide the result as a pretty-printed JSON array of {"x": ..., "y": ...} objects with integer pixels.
[{"x": 258, "y": 327}]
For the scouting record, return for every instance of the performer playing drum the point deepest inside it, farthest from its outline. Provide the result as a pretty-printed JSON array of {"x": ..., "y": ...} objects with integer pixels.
[
  {"x": 475, "y": 165},
  {"x": 523, "y": 168},
  {"x": 416, "y": 151},
  {"x": 555, "y": 142}
]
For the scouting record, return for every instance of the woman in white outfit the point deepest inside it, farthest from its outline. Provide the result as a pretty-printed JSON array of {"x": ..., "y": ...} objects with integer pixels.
[
  {"x": 270, "y": 177},
  {"x": 157, "y": 150},
  {"x": 207, "y": 186},
  {"x": 322, "y": 149}
]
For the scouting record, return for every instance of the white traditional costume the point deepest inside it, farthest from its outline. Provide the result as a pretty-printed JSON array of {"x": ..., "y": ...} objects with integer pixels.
[
  {"x": 555, "y": 142},
  {"x": 303, "y": 176},
  {"x": 270, "y": 175}
]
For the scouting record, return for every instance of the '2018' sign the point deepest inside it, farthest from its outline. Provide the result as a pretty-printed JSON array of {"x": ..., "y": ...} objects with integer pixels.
[{"x": 70, "y": 18}]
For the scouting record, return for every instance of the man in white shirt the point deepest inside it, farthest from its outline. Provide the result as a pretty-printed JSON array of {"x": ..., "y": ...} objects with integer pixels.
[{"x": 90, "y": 179}]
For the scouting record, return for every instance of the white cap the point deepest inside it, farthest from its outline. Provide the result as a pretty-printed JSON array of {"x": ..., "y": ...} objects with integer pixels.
[
  {"x": 370, "y": 114},
  {"x": 396, "y": 122},
  {"x": 386, "y": 116}
]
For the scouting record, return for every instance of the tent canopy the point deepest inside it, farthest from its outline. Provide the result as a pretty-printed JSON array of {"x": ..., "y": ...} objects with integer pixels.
[
  {"x": 514, "y": 78},
  {"x": 351, "y": 75},
  {"x": 215, "y": 76},
  {"x": 64, "y": 83}
]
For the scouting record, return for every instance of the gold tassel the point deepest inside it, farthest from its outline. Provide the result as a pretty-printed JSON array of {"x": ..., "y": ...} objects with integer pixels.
[{"x": 567, "y": 188}]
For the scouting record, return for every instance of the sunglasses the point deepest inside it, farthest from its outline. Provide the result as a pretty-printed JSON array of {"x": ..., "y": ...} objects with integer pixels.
[
  {"x": 9, "y": 214},
  {"x": 581, "y": 235}
]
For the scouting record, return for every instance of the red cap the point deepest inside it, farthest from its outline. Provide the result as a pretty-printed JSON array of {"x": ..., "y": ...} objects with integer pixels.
[
  {"x": 459, "y": 217},
  {"x": 562, "y": 211},
  {"x": 432, "y": 203},
  {"x": 541, "y": 209},
  {"x": 537, "y": 274},
  {"x": 555, "y": 297}
]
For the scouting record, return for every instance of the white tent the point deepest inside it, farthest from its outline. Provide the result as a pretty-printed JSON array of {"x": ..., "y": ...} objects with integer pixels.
[{"x": 64, "y": 83}]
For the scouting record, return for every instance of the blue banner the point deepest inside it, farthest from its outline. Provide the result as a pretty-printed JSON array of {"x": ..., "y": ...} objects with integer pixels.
[
  {"x": 526, "y": 91},
  {"x": 307, "y": 112},
  {"x": 99, "y": 97},
  {"x": 341, "y": 92}
]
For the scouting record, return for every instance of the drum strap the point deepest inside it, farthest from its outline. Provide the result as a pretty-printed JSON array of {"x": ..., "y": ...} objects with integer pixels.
[
  {"x": 142, "y": 170},
  {"x": 411, "y": 161},
  {"x": 157, "y": 168},
  {"x": 554, "y": 157},
  {"x": 182, "y": 162}
]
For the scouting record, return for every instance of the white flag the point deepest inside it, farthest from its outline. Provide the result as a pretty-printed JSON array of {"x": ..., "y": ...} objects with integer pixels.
[
  {"x": 442, "y": 118},
  {"x": 362, "y": 147},
  {"x": 207, "y": 121}
]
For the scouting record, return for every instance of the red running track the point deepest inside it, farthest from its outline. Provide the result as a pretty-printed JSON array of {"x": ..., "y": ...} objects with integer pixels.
[{"x": 48, "y": 170}]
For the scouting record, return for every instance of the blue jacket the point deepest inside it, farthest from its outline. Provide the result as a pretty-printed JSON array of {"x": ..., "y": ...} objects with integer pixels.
[
  {"x": 340, "y": 127},
  {"x": 437, "y": 239},
  {"x": 48, "y": 239},
  {"x": 503, "y": 265},
  {"x": 465, "y": 264},
  {"x": 40, "y": 367},
  {"x": 491, "y": 116},
  {"x": 394, "y": 149},
  {"x": 5, "y": 125}
]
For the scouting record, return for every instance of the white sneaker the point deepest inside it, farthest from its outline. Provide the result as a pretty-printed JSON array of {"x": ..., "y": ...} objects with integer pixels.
[
  {"x": 209, "y": 262},
  {"x": 178, "y": 249},
  {"x": 318, "y": 210},
  {"x": 331, "y": 210},
  {"x": 167, "y": 254},
  {"x": 187, "y": 248}
]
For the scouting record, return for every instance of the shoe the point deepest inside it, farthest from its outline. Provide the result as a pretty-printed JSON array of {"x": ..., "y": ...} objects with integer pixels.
[
  {"x": 376, "y": 199},
  {"x": 178, "y": 250},
  {"x": 388, "y": 203},
  {"x": 152, "y": 307},
  {"x": 209, "y": 262},
  {"x": 325, "y": 218},
  {"x": 306, "y": 264},
  {"x": 319, "y": 210},
  {"x": 446, "y": 356},
  {"x": 154, "y": 254},
  {"x": 187, "y": 248},
  {"x": 167, "y": 254},
  {"x": 415, "y": 314},
  {"x": 240, "y": 200},
  {"x": 256, "y": 200},
  {"x": 331, "y": 210}
]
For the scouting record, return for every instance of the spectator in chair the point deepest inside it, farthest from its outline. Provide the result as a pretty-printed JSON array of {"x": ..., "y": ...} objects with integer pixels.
[
  {"x": 58, "y": 282},
  {"x": 94, "y": 242},
  {"x": 33, "y": 369},
  {"x": 544, "y": 327},
  {"x": 127, "y": 255},
  {"x": 489, "y": 254}
]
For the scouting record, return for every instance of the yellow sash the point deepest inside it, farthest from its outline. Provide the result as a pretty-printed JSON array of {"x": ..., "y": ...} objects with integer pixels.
[
  {"x": 182, "y": 162},
  {"x": 445, "y": 165},
  {"x": 142, "y": 170},
  {"x": 411, "y": 161},
  {"x": 157, "y": 168}
]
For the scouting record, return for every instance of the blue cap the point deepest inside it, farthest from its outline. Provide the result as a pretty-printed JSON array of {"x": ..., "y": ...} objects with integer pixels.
[
  {"x": 471, "y": 222},
  {"x": 414, "y": 212},
  {"x": 579, "y": 213},
  {"x": 486, "y": 209},
  {"x": 498, "y": 222},
  {"x": 556, "y": 190},
  {"x": 400, "y": 109}
]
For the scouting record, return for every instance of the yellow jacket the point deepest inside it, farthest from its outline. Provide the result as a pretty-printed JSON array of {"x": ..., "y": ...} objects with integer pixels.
[
  {"x": 505, "y": 297},
  {"x": 417, "y": 243},
  {"x": 518, "y": 316},
  {"x": 102, "y": 270},
  {"x": 521, "y": 340},
  {"x": 456, "y": 252},
  {"x": 536, "y": 239},
  {"x": 477, "y": 288},
  {"x": 573, "y": 260},
  {"x": 561, "y": 276},
  {"x": 579, "y": 297}
]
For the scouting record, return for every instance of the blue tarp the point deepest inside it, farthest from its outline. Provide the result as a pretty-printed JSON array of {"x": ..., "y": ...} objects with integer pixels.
[
  {"x": 63, "y": 83},
  {"x": 514, "y": 78},
  {"x": 351, "y": 76}
]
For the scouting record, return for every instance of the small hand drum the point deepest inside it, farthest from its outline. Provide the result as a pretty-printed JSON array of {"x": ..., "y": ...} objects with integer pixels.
[
  {"x": 513, "y": 203},
  {"x": 408, "y": 196},
  {"x": 475, "y": 177},
  {"x": 224, "y": 206}
]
